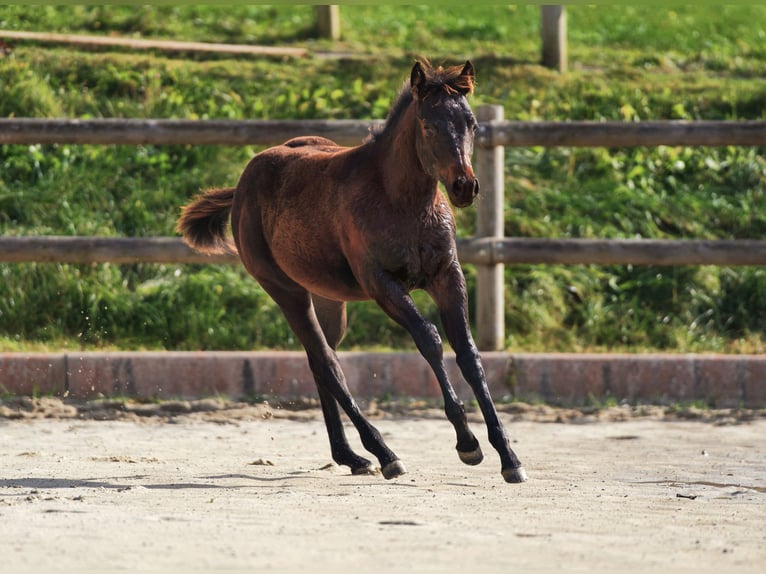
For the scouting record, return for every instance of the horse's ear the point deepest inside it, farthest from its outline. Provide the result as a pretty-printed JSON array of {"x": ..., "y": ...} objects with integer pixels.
[
  {"x": 417, "y": 78},
  {"x": 468, "y": 70}
]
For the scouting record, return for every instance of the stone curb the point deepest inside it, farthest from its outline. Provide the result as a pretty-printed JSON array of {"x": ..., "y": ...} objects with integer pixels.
[{"x": 723, "y": 381}]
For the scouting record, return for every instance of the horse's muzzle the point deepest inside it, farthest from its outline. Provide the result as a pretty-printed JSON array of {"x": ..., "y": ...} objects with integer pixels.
[{"x": 464, "y": 191}]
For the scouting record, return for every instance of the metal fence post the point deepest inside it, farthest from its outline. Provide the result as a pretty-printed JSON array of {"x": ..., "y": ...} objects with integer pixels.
[{"x": 490, "y": 221}]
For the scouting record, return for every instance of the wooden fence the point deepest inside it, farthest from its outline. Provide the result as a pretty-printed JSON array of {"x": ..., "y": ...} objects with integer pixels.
[
  {"x": 483, "y": 251},
  {"x": 492, "y": 132},
  {"x": 489, "y": 251}
]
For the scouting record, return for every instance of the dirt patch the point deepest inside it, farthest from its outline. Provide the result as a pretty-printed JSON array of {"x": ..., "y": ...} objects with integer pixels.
[{"x": 217, "y": 485}]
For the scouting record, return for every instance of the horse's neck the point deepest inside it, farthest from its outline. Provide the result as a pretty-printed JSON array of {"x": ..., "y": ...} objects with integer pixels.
[{"x": 405, "y": 181}]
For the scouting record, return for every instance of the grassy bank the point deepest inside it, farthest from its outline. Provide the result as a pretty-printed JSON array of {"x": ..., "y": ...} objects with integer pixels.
[{"x": 626, "y": 63}]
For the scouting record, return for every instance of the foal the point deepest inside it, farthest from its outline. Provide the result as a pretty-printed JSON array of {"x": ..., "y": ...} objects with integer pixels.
[{"x": 317, "y": 225}]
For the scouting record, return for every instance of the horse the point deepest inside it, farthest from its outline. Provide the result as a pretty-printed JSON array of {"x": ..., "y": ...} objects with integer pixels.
[{"x": 318, "y": 225}]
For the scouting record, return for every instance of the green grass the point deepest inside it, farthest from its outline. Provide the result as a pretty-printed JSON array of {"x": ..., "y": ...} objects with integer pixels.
[{"x": 626, "y": 63}]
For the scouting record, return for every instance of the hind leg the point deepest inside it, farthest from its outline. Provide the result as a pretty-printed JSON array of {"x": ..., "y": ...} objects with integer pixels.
[
  {"x": 332, "y": 320},
  {"x": 297, "y": 307}
]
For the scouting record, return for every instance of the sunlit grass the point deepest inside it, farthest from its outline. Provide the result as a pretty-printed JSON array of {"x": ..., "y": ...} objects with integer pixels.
[{"x": 626, "y": 63}]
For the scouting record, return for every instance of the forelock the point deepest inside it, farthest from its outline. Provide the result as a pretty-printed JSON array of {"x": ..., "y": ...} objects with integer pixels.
[{"x": 450, "y": 80}]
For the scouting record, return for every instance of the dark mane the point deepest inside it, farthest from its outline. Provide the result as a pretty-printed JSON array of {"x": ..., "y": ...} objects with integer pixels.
[
  {"x": 401, "y": 103},
  {"x": 449, "y": 80}
]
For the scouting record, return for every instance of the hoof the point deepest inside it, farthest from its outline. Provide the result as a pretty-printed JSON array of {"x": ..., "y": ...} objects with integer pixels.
[
  {"x": 515, "y": 475},
  {"x": 393, "y": 469},
  {"x": 472, "y": 458}
]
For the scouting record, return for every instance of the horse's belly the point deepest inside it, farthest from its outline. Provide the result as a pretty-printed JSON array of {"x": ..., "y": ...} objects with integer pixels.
[{"x": 332, "y": 279}]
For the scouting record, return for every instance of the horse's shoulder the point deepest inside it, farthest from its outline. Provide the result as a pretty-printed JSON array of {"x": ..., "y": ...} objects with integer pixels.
[{"x": 311, "y": 141}]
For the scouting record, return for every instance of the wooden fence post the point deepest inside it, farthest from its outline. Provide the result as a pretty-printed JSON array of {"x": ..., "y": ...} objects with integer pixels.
[
  {"x": 490, "y": 222},
  {"x": 553, "y": 32},
  {"x": 328, "y": 21}
]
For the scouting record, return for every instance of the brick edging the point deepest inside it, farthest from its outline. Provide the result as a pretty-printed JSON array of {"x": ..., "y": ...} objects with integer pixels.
[{"x": 556, "y": 378}]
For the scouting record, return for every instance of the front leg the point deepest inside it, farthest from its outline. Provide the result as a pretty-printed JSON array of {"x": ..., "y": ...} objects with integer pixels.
[
  {"x": 449, "y": 293},
  {"x": 297, "y": 306},
  {"x": 398, "y": 304}
]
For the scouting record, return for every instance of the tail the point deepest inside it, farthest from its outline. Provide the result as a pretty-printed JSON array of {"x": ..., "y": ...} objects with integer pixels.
[{"x": 204, "y": 220}]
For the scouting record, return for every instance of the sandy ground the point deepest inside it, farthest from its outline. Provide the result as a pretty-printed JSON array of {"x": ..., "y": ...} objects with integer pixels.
[{"x": 251, "y": 488}]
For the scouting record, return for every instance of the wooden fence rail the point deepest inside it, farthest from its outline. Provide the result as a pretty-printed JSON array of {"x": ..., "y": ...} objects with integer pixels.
[
  {"x": 479, "y": 251},
  {"x": 351, "y": 132},
  {"x": 489, "y": 252},
  {"x": 148, "y": 44}
]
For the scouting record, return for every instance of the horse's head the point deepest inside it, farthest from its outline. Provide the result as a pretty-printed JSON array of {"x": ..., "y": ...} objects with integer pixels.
[{"x": 446, "y": 128}]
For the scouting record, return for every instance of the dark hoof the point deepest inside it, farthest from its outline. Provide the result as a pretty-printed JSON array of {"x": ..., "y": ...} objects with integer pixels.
[
  {"x": 393, "y": 469},
  {"x": 472, "y": 458},
  {"x": 515, "y": 475},
  {"x": 364, "y": 470}
]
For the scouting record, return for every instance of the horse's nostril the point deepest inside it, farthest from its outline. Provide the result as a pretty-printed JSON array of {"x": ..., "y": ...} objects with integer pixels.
[{"x": 465, "y": 189}]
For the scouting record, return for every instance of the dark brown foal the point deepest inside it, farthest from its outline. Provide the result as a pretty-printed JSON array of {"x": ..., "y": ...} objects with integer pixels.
[{"x": 317, "y": 225}]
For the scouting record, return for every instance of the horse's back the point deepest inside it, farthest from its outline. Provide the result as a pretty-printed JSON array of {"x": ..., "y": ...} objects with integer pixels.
[
  {"x": 298, "y": 179},
  {"x": 301, "y": 165},
  {"x": 310, "y": 141},
  {"x": 302, "y": 154}
]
